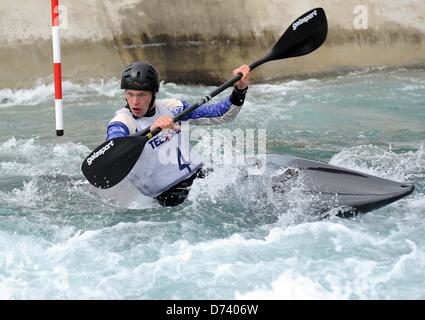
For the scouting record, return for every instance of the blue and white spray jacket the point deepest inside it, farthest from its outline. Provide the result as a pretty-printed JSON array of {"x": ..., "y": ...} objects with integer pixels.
[{"x": 167, "y": 158}]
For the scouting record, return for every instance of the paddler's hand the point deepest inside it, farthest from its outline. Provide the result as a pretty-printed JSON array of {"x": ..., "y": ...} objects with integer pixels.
[
  {"x": 164, "y": 122},
  {"x": 244, "y": 82}
]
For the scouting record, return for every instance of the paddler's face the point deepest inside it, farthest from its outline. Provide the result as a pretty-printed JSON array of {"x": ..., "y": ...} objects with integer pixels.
[{"x": 138, "y": 101}]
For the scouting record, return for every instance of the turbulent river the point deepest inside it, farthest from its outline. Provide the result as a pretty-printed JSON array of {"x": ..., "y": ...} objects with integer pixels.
[{"x": 59, "y": 240}]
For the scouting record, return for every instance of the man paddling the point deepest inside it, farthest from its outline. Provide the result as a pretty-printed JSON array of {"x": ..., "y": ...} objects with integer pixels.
[{"x": 169, "y": 182}]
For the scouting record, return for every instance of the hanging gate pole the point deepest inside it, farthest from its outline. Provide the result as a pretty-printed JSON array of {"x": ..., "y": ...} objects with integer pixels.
[{"x": 57, "y": 67}]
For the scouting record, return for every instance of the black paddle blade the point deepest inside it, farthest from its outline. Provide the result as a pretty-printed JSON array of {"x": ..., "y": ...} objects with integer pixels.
[
  {"x": 113, "y": 160},
  {"x": 305, "y": 35}
]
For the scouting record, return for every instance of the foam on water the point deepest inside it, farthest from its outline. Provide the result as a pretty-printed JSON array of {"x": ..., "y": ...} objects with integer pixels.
[
  {"x": 31, "y": 158},
  {"x": 371, "y": 273},
  {"x": 43, "y": 92},
  {"x": 380, "y": 162}
]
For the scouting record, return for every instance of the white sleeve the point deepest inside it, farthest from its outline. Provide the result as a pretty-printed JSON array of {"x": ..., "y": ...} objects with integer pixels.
[{"x": 125, "y": 119}]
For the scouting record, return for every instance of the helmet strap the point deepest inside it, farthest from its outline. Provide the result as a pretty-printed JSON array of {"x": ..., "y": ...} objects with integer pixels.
[{"x": 151, "y": 110}]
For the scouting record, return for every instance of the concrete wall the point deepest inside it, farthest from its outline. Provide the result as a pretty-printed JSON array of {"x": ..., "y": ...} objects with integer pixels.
[{"x": 200, "y": 41}]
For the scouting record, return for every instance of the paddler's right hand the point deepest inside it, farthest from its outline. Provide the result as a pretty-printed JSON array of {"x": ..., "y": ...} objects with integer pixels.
[{"x": 164, "y": 122}]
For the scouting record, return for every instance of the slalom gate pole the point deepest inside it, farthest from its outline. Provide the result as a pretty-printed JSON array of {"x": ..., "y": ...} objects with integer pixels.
[{"x": 57, "y": 67}]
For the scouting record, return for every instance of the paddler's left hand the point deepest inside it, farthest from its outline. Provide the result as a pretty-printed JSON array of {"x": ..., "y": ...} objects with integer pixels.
[{"x": 244, "y": 81}]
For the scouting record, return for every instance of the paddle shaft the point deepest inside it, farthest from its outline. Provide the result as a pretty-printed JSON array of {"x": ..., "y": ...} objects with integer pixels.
[{"x": 204, "y": 99}]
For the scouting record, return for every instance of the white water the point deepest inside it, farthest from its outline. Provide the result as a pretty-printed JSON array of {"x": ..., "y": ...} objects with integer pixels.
[{"x": 60, "y": 241}]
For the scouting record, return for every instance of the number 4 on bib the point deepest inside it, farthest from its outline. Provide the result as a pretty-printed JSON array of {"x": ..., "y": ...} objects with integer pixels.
[{"x": 183, "y": 164}]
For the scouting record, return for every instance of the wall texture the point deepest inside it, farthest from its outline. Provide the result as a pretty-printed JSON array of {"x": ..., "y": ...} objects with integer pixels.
[{"x": 201, "y": 41}]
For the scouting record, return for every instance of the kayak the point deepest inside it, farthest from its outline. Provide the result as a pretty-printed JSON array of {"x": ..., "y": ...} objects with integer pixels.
[
  {"x": 332, "y": 186},
  {"x": 325, "y": 186}
]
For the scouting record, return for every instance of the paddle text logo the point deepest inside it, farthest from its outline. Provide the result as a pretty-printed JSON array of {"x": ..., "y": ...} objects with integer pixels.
[
  {"x": 303, "y": 20},
  {"x": 100, "y": 152}
]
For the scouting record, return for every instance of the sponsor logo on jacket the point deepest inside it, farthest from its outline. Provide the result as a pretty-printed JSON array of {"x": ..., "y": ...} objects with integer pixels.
[{"x": 162, "y": 137}]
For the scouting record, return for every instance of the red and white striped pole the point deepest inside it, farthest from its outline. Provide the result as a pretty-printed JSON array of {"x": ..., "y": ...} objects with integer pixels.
[{"x": 57, "y": 68}]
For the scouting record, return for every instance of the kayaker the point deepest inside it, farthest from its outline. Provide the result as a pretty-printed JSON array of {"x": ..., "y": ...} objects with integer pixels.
[{"x": 168, "y": 182}]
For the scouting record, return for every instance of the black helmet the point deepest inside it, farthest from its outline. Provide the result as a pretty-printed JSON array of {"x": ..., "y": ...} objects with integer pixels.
[{"x": 140, "y": 76}]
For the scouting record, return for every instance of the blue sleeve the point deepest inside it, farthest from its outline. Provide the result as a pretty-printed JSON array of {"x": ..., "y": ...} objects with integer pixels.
[
  {"x": 117, "y": 129},
  {"x": 213, "y": 110}
]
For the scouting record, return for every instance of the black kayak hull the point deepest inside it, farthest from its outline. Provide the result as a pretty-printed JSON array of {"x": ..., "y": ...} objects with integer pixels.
[
  {"x": 326, "y": 187},
  {"x": 334, "y": 186}
]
